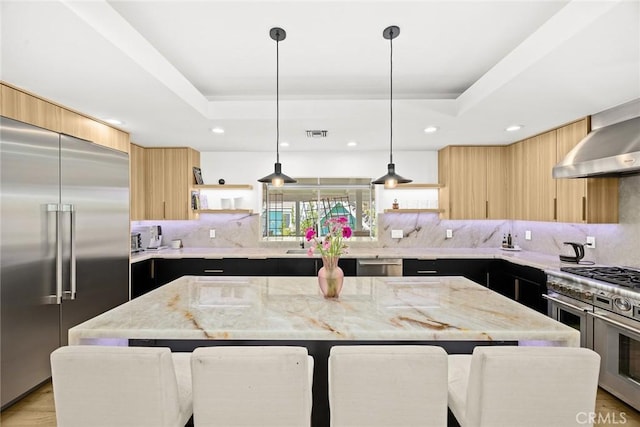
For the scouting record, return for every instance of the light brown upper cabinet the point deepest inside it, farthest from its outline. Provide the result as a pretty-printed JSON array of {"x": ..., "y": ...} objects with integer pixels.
[
  {"x": 80, "y": 126},
  {"x": 516, "y": 182},
  {"x": 137, "y": 182},
  {"x": 25, "y": 107},
  {"x": 168, "y": 181},
  {"x": 538, "y": 186},
  {"x": 587, "y": 200},
  {"x": 474, "y": 182}
]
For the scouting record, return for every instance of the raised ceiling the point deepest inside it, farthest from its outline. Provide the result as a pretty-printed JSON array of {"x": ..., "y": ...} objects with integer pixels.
[{"x": 172, "y": 70}]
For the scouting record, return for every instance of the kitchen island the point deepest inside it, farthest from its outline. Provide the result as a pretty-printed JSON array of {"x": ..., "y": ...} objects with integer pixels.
[
  {"x": 292, "y": 308},
  {"x": 450, "y": 311}
]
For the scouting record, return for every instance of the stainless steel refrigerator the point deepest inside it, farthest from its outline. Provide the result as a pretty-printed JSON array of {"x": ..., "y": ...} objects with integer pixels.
[{"x": 64, "y": 245}]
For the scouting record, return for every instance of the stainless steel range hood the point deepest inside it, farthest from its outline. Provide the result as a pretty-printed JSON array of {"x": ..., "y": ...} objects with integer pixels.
[{"x": 612, "y": 150}]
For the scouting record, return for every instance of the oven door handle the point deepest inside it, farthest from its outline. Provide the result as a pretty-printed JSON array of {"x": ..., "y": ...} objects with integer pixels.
[
  {"x": 565, "y": 304},
  {"x": 615, "y": 323}
]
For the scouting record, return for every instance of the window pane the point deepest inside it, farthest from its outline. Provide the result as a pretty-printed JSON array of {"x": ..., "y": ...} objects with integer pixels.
[{"x": 288, "y": 211}]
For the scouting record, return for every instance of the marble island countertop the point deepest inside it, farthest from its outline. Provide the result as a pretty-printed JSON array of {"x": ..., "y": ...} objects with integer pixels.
[
  {"x": 528, "y": 258},
  {"x": 292, "y": 308}
]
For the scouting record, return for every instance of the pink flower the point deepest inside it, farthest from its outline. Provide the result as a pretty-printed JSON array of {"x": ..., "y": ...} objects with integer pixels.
[
  {"x": 310, "y": 234},
  {"x": 332, "y": 243}
]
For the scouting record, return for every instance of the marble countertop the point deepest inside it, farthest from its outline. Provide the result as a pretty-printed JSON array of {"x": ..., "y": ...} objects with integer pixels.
[
  {"x": 528, "y": 258},
  {"x": 292, "y": 308}
]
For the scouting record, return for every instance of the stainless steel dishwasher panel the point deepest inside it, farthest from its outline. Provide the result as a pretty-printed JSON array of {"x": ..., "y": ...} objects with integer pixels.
[{"x": 379, "y": 267}]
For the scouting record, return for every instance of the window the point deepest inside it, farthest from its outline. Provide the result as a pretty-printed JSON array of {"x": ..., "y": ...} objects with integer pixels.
[{"x": 288, "y": 211}]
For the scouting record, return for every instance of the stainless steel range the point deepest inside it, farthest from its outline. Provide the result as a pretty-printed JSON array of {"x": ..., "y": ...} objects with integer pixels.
[{"x": 603, "y": 303}]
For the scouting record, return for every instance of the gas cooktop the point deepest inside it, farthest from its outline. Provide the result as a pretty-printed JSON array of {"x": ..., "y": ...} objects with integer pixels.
[{"x": 625, "y": 277}]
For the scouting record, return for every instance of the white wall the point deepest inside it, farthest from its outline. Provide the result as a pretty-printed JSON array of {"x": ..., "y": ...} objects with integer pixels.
[{"x": 248, "y": 167}]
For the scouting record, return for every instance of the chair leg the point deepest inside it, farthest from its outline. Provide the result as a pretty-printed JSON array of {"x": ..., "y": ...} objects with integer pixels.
[{"x": 451, "y": 419}]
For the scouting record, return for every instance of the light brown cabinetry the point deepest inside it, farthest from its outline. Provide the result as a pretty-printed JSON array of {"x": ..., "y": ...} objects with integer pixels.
[
  {"x": 538, "y": 185},
  {"x": 137, "y": 182},
  {"x": 474, "y": 182},
  {"x": 25, "y": 107},
  {"x": 590, "y": 200},
  {"x": 83, "y": 127},
  {"x": 517, "y": 182},
  {"x": 168, "y": 180}
]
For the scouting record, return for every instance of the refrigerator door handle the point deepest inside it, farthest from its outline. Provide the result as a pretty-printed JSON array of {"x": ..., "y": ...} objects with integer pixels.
[
  {"x": 71, "y": 293},
  {"x": 57, "y": 297}
]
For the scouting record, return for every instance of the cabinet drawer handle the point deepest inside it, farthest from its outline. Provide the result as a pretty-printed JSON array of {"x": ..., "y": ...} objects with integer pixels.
[
  {"x": 427, "y": 271},
  {"x": 214, "y": 271},
  {"x": 584, "y": 208}
]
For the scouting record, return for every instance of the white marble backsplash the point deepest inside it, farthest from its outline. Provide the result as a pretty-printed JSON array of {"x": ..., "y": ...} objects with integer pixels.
[{"x": 616, "y": 244}]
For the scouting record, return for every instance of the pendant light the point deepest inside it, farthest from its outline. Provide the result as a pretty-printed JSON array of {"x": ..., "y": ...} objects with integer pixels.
[
  {"x": 391, "y": 179},
  {"x": 277, "y": 178}
]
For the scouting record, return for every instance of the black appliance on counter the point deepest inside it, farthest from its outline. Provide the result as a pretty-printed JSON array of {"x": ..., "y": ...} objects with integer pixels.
[{"x": 578, "y": 249}]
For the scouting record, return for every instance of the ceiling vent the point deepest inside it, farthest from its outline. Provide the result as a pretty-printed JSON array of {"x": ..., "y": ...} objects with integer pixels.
[{"x": 316, "y": 134}]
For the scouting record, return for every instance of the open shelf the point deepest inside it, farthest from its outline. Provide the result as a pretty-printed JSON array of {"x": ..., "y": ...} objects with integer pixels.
[
  {"x": 223, "y": 187},
  {"x": 225, "y": 211},
  {"x": 414, "y": 186},
  {"x": 413, "y": 210}
]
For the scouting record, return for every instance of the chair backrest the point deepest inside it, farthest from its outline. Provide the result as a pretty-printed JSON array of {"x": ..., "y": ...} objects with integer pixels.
[
  {"x": 388, "y": 385},
  {"x": 252, "y": 386},
  {"x": 114, "y": 386},
  {"x": 531, "y": 386}
]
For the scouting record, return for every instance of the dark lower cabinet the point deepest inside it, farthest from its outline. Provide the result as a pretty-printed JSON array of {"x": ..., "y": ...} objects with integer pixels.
[
  {"x": 150, "y": 274},
  {"x": 520, "y": 283},
  {"x": 472, "y": 269},
  {"x": 296, "y": 266},
  {"x": 142, "y": 278},
  {"x": 310, "y": 266}
]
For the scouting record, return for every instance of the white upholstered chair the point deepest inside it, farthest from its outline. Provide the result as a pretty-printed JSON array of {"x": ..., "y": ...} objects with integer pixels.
[
  {"x": 388, "y": 385},
  {"x": 121, "y": 386},
  {"x": 252, "y": 386},
  {"x": 523, "y": 386}
]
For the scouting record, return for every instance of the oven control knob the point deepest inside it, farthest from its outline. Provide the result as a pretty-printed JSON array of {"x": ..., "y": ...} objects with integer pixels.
[
  {"x": 622, "y": 303},
  {"x": 587, "y": 294}
]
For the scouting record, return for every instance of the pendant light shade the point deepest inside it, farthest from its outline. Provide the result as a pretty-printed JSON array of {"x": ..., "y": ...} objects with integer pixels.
[
  {"x": 277, "y": 178},
  {"x": 391, "y": 179}
]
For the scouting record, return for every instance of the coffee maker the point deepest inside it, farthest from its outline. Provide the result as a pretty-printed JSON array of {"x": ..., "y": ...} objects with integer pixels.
[{"x": 155, "y": 237}]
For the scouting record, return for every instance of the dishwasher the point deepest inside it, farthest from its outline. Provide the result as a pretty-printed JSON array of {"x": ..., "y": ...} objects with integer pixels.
[{"x": 379, "y": 267}]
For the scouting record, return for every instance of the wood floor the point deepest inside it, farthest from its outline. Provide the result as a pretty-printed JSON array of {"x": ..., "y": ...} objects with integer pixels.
[{"x": 37, "y": 409}]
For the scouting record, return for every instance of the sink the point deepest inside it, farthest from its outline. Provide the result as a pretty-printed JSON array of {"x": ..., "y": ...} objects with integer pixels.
[{"x": 297, "y": 251}]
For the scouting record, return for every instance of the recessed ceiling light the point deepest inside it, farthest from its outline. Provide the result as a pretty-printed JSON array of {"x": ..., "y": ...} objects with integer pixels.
[
  {"x": 431, "y": 129},
  {"x": 217, "y": 130},
  {"x": 114, "y": 121},
  {"x": 284, "y": 144},
  {"x": 513, "y": 128},
  {"x": 352, "y": 143}
]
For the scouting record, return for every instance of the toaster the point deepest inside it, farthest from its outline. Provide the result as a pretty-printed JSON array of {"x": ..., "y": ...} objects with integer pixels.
[{"x": 136, "y": 243}]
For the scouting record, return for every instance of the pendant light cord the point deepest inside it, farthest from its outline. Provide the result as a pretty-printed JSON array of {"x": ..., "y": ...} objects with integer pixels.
[
  {"x": 278, "y": 100},
  {"x": 391, "y": 100}
]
